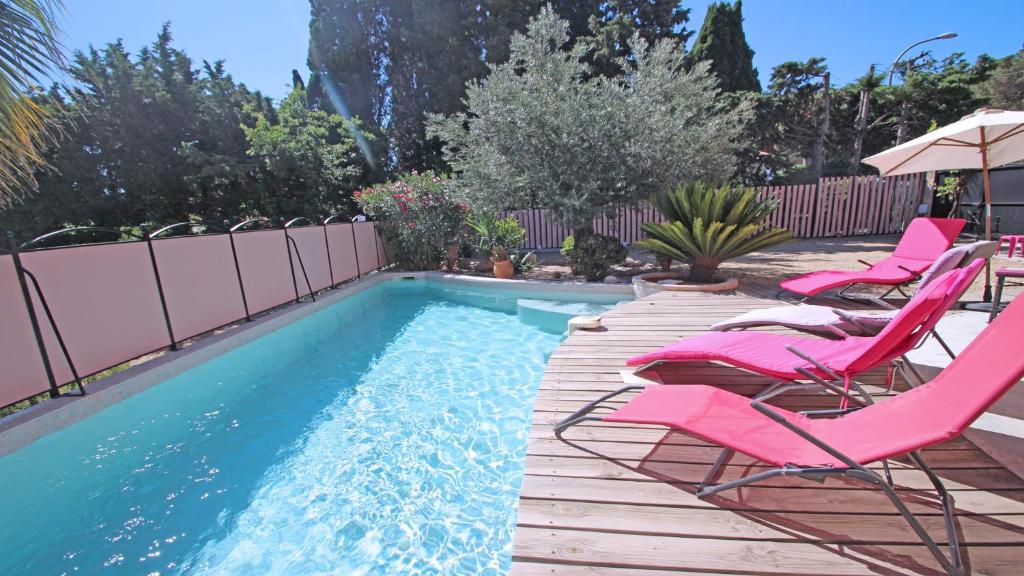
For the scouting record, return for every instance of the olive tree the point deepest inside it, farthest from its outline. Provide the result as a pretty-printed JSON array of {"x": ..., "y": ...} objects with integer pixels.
[{"x": 541, "y": 131}]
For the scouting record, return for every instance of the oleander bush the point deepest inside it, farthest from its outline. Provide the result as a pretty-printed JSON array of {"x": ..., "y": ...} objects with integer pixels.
[{"x": 418, "y": 217}]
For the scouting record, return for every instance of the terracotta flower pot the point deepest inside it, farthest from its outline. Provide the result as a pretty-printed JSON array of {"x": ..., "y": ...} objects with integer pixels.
[{"x": 503, "y": 269}]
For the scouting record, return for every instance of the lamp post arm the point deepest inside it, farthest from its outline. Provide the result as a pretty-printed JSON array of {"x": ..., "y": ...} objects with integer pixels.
[{"x": 892, "y": 68}]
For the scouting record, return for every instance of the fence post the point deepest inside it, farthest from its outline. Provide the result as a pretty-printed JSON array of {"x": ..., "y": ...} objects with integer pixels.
[
  {"x": 376, "y": 245},
  {"x": 159, "y": 287},
  {"x": 383, "y": 249},
  {"x": 327, "y": 245},
  {"x": 355, "y": 250},
  {"x": 238, "y": 271},
  {"x": 291, "y": 265},
  {"x": 33, "y": 319}
]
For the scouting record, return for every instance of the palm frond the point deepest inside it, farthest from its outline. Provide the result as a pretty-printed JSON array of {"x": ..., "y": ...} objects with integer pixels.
[{"x": 29, "y": 52}]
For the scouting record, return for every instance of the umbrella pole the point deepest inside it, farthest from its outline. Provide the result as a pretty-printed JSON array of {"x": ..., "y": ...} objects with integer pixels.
[{"x": 987, "y": 296}]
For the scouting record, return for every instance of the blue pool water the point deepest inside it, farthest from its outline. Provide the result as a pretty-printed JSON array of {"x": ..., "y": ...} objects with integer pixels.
[{"x": 382, "y": 435}]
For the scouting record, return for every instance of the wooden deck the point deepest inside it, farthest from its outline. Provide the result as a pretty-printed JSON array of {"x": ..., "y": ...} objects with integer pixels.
[{"x": 621, "y": 501}]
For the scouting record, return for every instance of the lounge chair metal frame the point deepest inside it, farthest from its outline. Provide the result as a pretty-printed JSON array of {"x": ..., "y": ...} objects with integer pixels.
[
  {"x": 843, "y": 292},
  {"x": 919, "y": 243},
  {"x": 838, "y": 384},
  {"x": 952, "y": 564}
]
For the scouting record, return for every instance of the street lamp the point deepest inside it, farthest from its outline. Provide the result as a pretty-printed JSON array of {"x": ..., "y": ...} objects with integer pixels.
[{"x": 892, "y": 68}]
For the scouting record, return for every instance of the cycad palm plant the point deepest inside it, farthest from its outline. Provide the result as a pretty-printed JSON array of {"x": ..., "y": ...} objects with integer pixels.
[
  {"x": 708, "y": 225},
  {"x": 29, "y": 51}
]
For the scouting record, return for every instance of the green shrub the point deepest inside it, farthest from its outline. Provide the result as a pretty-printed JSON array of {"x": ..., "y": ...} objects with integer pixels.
[
  {"x": 418, "y": 217},
  {"x": 591, "y": 255}
]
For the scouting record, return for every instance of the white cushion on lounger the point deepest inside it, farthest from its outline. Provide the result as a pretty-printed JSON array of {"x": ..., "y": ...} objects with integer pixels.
[{"x": 811, "y": 318}]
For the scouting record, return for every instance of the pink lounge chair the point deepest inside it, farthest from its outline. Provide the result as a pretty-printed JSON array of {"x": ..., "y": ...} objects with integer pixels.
[
  {"x": 799, "y": 445},
  {"x": 924, "y": 240},
  {"x": 827, "y": 320},
  {"x": 825, "y": 361}
]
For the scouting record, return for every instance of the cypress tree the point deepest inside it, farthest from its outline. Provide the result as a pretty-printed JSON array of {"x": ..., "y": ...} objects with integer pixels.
[{"x": 722, "y": 41}]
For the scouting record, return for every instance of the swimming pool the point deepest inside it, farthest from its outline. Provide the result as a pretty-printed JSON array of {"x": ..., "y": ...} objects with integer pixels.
[{"x": 383, "y": 434}]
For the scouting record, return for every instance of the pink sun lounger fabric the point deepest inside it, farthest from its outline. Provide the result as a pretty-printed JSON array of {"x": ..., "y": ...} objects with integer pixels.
[
  {"x": 767, "y": 354},
  {"x": 924, "y": 416},
  {"x": 814, "y": 318},
  {"x": 924, "y": 240}
]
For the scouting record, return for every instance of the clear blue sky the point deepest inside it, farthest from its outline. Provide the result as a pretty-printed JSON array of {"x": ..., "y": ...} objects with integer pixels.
[{"x": 262, "y": 40}]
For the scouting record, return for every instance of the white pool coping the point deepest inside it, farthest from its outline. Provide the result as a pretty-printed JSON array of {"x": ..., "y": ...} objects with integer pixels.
[{"x": 26, "y": 426}]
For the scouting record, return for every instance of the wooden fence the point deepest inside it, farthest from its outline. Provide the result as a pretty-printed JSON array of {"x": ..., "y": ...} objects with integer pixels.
[{"x": 835, "y": 206}]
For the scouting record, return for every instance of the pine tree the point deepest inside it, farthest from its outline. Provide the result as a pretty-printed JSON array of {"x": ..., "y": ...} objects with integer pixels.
[{"x": 722, "y": 41}]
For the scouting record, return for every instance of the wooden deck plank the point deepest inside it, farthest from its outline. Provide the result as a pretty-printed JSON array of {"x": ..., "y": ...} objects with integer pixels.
[{"x": 619, "y": 498}]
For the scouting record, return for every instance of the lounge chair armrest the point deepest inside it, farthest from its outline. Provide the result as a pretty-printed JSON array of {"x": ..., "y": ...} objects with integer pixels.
[
  {"x": 849, "y": 318},
  {"x": 917, "y": 275},
  {"x": 818, "y": 365},
  {"x": 781, "y": 420},
  {"x": 837, "y": 331},
  {"x": 882, "y": 303},
  {"x": 830, "y": 386},
  {"x": 779, "y": 389}
]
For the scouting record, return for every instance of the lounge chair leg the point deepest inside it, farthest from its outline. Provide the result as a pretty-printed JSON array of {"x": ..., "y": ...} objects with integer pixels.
[
  {"x": 943, "y": 344},
  {"x": 712, "y": 474},
  {"x": 817, "y": 474},
  {"x": 863, "y": 393},
  {"x": 888, "y": 473},
  {"x": 709, "y": 490},
  {"x": 913, "y": 370},
  {"x": 948, "y": 508},
  {"x": 581, "y": 415},
  {"x": 904, "y": 376},
  {"x": 954, "y": 567}
]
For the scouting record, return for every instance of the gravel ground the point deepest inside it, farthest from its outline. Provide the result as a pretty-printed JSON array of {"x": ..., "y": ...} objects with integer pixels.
[{"x": 769, "y": 266}]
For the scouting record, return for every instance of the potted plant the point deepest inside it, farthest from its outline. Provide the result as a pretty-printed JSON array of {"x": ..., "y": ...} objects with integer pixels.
[
  {"x": 484, "y": 226},
  {"x": 503, "y": 267},
  {"x": 508, "y": 235},
  {"x": 498, "y": 237}
]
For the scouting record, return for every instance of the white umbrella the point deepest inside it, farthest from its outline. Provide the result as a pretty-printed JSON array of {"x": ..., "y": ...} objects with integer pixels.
[{"x": 979, "y": 141}]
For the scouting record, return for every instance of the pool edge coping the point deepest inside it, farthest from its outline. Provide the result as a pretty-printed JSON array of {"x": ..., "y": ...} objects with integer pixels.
[{"x": 25, "y": 427}]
